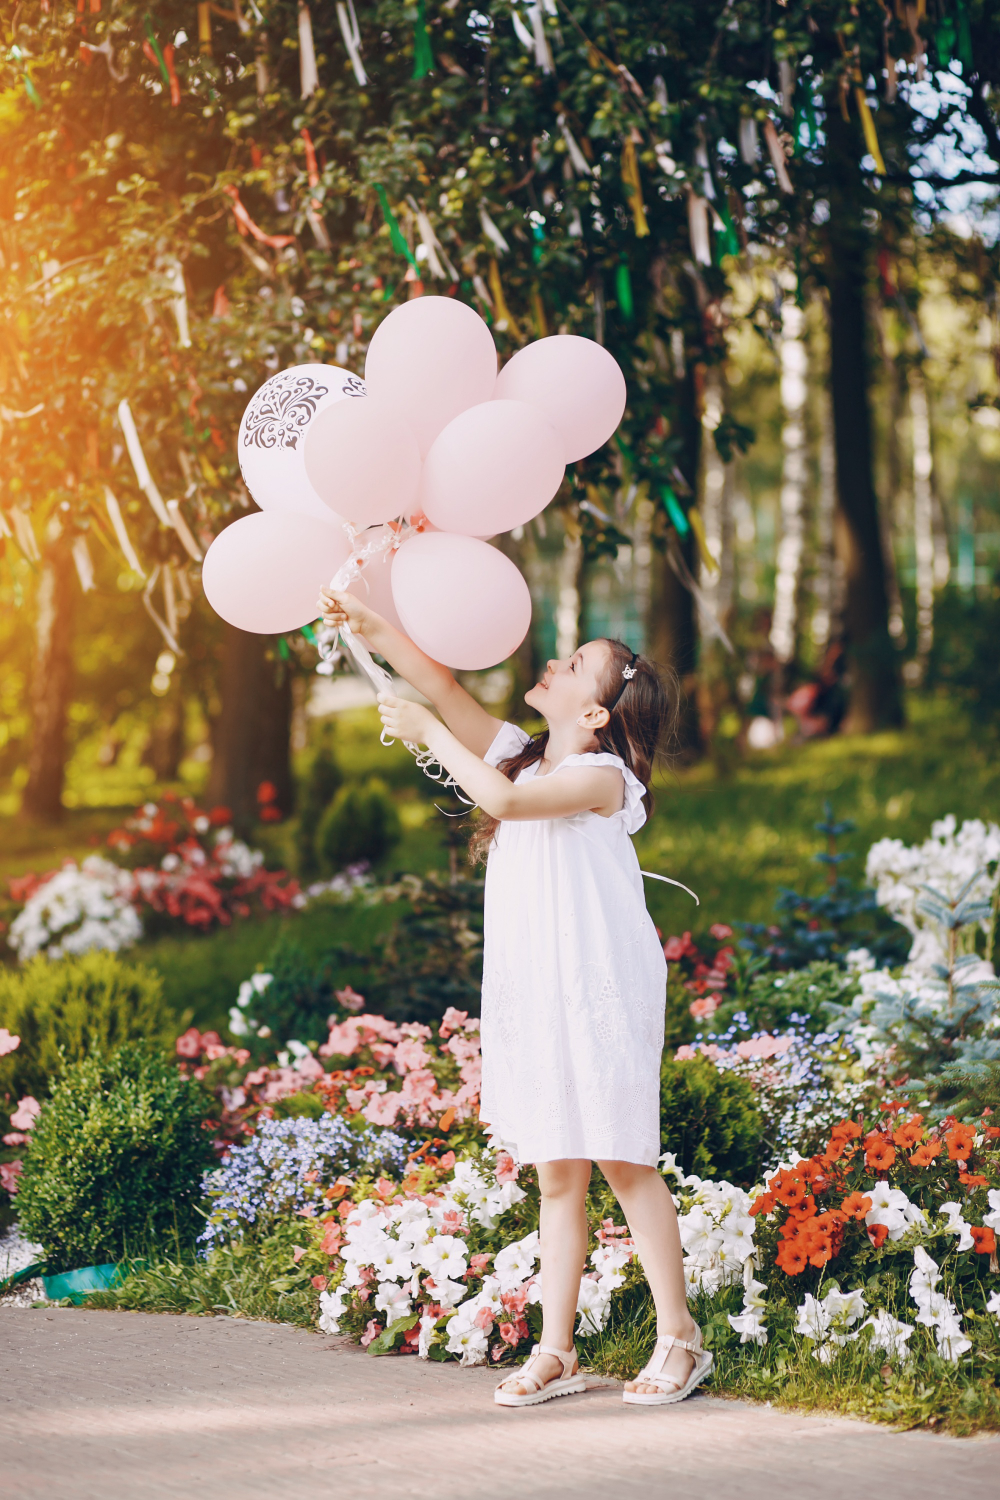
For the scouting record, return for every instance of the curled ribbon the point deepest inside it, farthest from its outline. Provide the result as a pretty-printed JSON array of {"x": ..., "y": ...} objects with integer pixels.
[{"x": 246, "y": 225}]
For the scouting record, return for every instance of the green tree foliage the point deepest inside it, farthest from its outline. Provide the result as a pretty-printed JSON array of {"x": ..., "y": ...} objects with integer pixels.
[
  {"x": 116, "y": 1159},
  {"x": 709, "y": 1120},
  {"x": 74, "y": 1008},
  {"x": 361, "y": 824}
]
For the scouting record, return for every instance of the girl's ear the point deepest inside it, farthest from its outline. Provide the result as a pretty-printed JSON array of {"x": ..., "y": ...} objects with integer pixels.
[{"x": 594, "y": 718}]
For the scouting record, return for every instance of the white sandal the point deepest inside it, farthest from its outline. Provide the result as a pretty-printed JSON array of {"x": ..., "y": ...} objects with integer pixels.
[
  {"x": 564, "y": 1385},
  {"x": 670, "y": 1391}
]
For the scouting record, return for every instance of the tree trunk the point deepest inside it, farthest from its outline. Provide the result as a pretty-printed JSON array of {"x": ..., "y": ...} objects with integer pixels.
[
  {"x": 874, "y": 696},
  {"x": 253, "y": 731},
  {"x": 673, "y": 635},
  {"x": 51, "y": 684}
]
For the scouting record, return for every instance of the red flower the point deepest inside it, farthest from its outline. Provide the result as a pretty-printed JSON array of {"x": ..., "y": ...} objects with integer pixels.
[
  {"x": 762, "y": 1205},
  {"x": 960, "y": 1142},
  {"x": 910, "y": 1133},
  {"x": 925, "y": 1154},
  {"x": 189, "y": 1045},
  {"x": 792, "y": 1257},
  {"x": 877, "y": 1234},
  {"x": 319, "y": 1282},
  {"x": 720, "y": 930},
  {"x": 856, "y": 1205},
  {"x": 973, "y": 1179},
  {"x": 985, "y": 1240},
  {"x": 220, "y": 816},
  {"x": 879, "y": 1153},
  {"x": 678, "y": 947}
]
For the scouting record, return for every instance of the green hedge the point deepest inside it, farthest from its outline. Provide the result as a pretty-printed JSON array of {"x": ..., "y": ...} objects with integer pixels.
[
  {"x": 74, "y": 1007},
  {"x": 116, "y": 1159},
  {"x": 709, "y": 1120}
]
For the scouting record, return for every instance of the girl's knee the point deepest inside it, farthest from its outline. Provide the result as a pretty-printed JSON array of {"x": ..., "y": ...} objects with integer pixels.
[
  {"x": 564, "y": 1179},
  {"x": 626, "y": 1176}
]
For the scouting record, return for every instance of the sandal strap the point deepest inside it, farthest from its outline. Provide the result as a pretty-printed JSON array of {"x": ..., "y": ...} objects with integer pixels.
[
  {"x": 524, "y": 1373},
  {"x": 667, "y": 1341},
  {"x": 564, "y": 1357}
]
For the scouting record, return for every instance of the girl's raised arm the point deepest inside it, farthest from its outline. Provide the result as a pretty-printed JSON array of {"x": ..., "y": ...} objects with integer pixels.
[
  {"x": 468, "y": 721},
  {"x": 600, "y": 789}
]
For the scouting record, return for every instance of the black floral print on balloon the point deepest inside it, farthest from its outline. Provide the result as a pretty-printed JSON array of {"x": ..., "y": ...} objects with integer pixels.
[{"x": 281, "y": 410}]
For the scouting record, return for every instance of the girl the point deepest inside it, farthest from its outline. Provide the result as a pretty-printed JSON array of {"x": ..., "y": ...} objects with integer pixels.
[{"x": 574, "y": 979}]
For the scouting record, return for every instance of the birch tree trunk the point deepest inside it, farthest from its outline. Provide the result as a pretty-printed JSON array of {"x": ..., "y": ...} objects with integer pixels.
[
  {"x": 51, "y": 685},
  {"x": 923, "y": 518},
  {"x": 828, "y": 580},
  {"x": 794, "y": 364}
]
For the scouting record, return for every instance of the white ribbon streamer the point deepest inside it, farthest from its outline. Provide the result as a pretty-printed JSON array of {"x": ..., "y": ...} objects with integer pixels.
[
  {"x": 543, "y": 53},
  {"x": 183, "y": 530},
  {"x": 777, "y": 156},
  {"x": 83, "y": 564},
  {"x": 308, "y": 72},
  {"x": 351, "y": 33},
  {"x": 581, "y": 166},
  {"x": 491, "y": 231},
  {"x": 142, "y": 475},
  {"x": 25, "y": 533},
  {"x": 175, "y": 280},
  {"x": 147, "y": 603},
  {"x": 437, "y": 256},
  {"x": 118, "y": 524},
  {"x": 651, "y": 875},
  {"x": 698, "y": 229}
]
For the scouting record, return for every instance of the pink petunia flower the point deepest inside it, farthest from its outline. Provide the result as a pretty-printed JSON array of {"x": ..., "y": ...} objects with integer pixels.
[
  {"x": 8, "y": 1043},
  {"x": 26, "y": 1114}
]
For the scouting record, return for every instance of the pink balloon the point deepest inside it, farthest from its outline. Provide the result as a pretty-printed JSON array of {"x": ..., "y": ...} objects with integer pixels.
[
  {"x": 362, "y": 460},
  {"x": 271, "y": 439},
  {"x": 573, "y": 383},
  {"x": 460, "y": 600},
  {"x": 494, "y": 467},
  {"x": 265, "y": 571},
  {"x": 431, "y": 358}
]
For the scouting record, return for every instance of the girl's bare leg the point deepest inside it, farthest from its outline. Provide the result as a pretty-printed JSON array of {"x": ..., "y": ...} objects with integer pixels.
[
  {"x": 651, "y": 1217},
  {"x": 564, "y": 1251}
]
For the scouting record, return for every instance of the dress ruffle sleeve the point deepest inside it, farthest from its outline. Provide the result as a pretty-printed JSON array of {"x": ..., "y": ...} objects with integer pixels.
[
  {"x": 509, "y": 740},
  {"x": 632, "y": 809}
]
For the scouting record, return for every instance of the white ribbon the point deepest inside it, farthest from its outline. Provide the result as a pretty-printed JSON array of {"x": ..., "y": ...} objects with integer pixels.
[
  {"x": 777, "y": 155},
  {"x": 351, "y": 33},
  {"x": 326, "y": 641},
  {"x": 308, "y": 72},
  {"x": 183, "y": 530},
  {"x": 142, "y": 475},
  {"x": 175, "y": 280},
  {"x": 437, "y": 256},
  {"x": 650, "y": 875},
  {"x": 124, "y": 541},
  {"x": 491, "y": 231},
  {"x": 581, "y": 165},
  {"x": 157, "y": 619},
  {"x": 83, "y": 564}
]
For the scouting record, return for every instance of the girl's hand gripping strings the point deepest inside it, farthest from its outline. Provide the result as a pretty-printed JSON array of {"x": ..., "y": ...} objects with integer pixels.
[{"x": 599, "y": 789}]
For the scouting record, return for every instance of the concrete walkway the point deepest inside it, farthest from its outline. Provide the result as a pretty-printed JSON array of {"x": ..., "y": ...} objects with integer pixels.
[{"x": 131, "y": 1406}]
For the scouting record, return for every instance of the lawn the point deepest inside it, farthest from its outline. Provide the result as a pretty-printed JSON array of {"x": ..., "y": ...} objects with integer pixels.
[{"x": 733, "y": 839}]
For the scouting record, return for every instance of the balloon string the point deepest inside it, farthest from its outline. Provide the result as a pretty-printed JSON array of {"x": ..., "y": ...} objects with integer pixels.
[{"x": 327, "y": 637}]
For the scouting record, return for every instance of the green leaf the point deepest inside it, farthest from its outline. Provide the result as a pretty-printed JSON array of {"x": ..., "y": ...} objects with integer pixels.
[{"x": 388, "y": 1339}]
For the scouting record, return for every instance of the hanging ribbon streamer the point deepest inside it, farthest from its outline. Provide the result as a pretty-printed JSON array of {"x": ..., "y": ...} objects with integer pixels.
[
  {"x": 315, "y": 205},
  {"x": 437, "y": 257},
  {"x": 25, "y": 534},
  {"x": 728, "y": 239},
  {"x": 246, "y": 225},
  {"x": 29, "y": 87},
  {"x": 698, "y": 527},
  {"x": 308, "y": 73},
  {"x": 175, "y": 280},
  {"x": 204, "y": 28},
  {"x": 674, "y": 510},
  {"x": 491, "y": 231},
  {"x": 543, "y": 52},
  {"x": 83, "y": 563},
  {"x": 580, "y": 164},
  {"x": 397, "y": 238},
  {"x": 168, "y": 635},
  {"x": 169, "y": 599},
  {"x": 748, "y": 140},
  {"x": 651, "y": 875},
  {"x": 183, "y": 531},
  {"x": 623, "y": 290},
  {"x": 175, "y": 87},
  {"x": 777, "y": 155},
  {"x": 142, "y": 475},
  {"x": 423, "y": 57},
  {"x": 504, "y": 318},
  {"x": 118, "y": 525},
  {"x": 351, "y": 33},
  {"x": 482, "y": 291},
  {"x": 709, "y": 620},
  {"x": 105, "y": 50},
  {"x": 698, "y": 228},
  {"x": 538, "y": 313},
  {"x": 633, "y": 187},
  {"x": 868, "y": 126},
  {"x": 521, "y": 31}
]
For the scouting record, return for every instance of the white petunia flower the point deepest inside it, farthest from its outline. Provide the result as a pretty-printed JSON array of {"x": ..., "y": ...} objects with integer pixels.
[
  {"x": 331, "y": 1306},
  {"x": 444, "y": 1256},
  {"x": 888, "y": 1333},
  {"x": 515, "y": 1262},
  {"x": 592, "y": 1303},
  {"x": 957, "y": 1225},
  {"x": 992, "y": 1219},
  {"x": 470, "y": 1342},
  {"x": 393, "y": 1300}
]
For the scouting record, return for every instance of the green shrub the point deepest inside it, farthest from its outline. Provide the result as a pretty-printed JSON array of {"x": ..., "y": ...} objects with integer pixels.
[
  {"x": 321, "y": 784},
  {"x": 116, "y": 1159},
  {"x": 770, "y": 999},
  {"x": 76, "y": 1006},
  {"x": 710, "y": 1121},
  {"x": 360, "y": 824}
]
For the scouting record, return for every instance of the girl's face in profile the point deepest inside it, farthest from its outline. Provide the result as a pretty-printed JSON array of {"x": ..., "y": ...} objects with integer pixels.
[{"x": 571, "y": 688}]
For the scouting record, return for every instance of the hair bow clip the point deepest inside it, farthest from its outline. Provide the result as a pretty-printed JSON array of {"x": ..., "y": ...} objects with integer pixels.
[{"x": 628, "y": 673}]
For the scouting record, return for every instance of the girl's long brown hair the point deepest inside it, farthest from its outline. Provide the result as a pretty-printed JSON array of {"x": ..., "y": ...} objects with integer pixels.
[{"x": 642, "y": 722}]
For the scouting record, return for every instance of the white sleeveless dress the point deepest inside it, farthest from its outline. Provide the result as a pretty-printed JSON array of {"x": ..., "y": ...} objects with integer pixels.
[{"x": 574, "y": 982}]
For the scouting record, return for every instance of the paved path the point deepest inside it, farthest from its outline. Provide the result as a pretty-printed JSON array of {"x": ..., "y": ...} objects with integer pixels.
[{"x": 131, "y": 1406}]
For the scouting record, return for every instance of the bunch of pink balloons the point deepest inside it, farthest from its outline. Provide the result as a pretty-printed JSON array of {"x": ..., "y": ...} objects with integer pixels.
[{"x": 433, "y": 436}]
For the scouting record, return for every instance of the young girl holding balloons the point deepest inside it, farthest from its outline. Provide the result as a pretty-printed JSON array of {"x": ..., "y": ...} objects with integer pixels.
[{"x": 574, "y": 979}]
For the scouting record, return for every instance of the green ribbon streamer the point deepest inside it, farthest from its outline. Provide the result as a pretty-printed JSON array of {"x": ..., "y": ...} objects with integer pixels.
[
  {"x": 423, "y": 57},
  {"x": 727, "y": 240},
  {"x": 396, "y": 236},
  {"x": 309, "y": 634},
  {"x": 944, "y": 40},
  {"x": 964, "y": 47},
  {"x": 32, "y": 92},
  {"x": 156, "y": 48},
  {"x": 539, "y": 237},
  {"x": 674, "y": 510},
  {"x": 283, "y": 650},
  {"x": 623, "y": 291}
]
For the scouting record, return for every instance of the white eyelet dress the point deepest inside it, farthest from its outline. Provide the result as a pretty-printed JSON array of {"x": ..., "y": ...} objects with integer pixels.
[{"x": 574, "y": 982}]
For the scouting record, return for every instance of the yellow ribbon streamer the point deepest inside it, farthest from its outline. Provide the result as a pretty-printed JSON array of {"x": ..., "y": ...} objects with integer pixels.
[
  {"x": 698, "y": 527},
  {"x": 868, "y": 126},
  {"x": 504, "y": 318},
  {"x": 633, "y": 187}
]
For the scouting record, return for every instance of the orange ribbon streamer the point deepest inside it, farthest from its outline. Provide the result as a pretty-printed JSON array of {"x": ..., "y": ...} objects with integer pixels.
[{"x": 246, "y": 225}]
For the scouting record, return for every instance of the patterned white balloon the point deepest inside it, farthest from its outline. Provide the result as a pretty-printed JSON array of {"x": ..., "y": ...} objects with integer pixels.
[{"x": 271, "y": 441}]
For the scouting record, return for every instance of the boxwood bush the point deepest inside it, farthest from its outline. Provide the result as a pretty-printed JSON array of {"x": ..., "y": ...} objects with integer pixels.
[
  {"x": 710, "y": 1121},
  {"x": 361, "y": 823},
  {"x": 70, "y": 1008},
  {"x": 116, "y": 1159}
]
